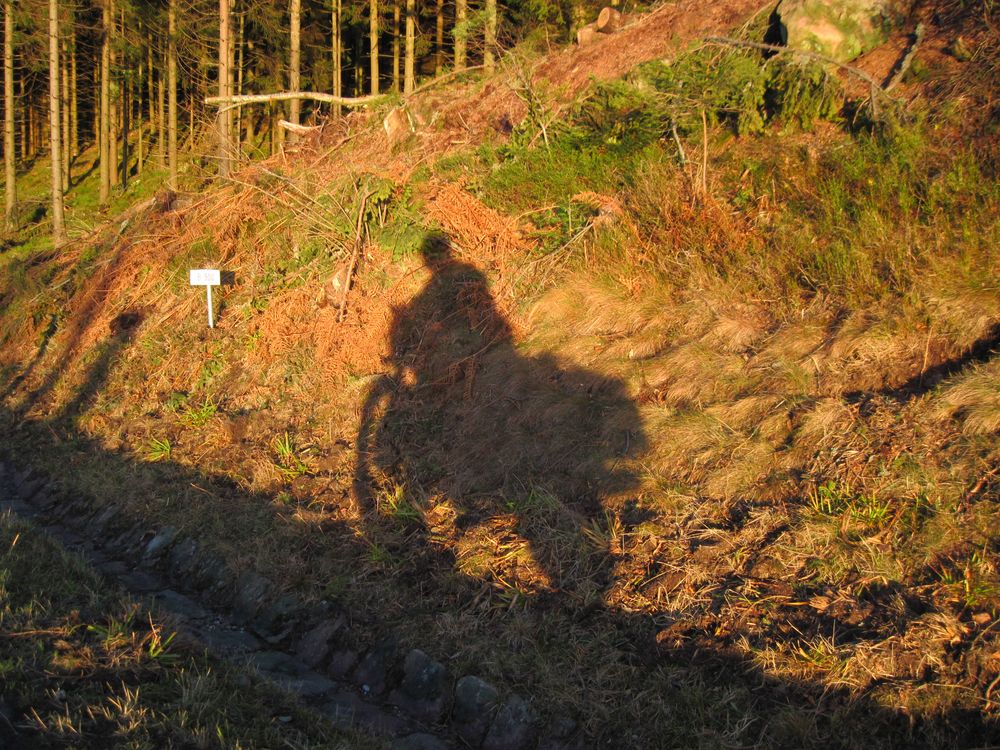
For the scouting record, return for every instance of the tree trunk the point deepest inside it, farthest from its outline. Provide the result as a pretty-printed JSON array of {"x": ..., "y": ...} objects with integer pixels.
[
  {"x": 461, "y": 15},
  {"x": 104, "y": 136},
  {"x": 64, "y": 109},
  {"x": 115, "y": 108},
  {"x": 124, "y": 112},
  {"x": 490, "y": 35},
  {"x": 294, "y": 79},
  {"x": 395, "y": 45},
  {"x": 58, "y": 223},
  {"x": 439, "y": 39},
  {"x": 409, "y": 76},
  {"x": 338, "y": 53},
  {"x": 224, "y": 120},
  {"x": 151, "y": 92},
  {"x": 239, "y": 84},
  {"x": 373, "y": 44},
  {"x": 172, "y": 93},
  {"x": 74, "y": 108},
  {"x": 10, "y": 168},
  {"x": 161, "y": 117},
  {"x": 139, "y": 82}
]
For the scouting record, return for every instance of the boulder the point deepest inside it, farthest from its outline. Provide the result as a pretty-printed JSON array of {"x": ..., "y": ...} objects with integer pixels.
[{"x": 840, "y": 29}]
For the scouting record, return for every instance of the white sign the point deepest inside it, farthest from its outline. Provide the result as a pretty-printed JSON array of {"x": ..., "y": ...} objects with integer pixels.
[{"x": 207, "y": 277}]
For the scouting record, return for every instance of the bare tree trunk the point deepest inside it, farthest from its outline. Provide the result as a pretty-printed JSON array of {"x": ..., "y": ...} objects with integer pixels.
[
  {"x": 74, "y": 109},
  {"x": 25, "y": 121},
  {"x": 409, "y": 75},
  {"x": 239, "y": 85},
  {"x": 64, "y": 110},
  {"x": 172, "y": 92},
  {"x": 461, "y": 16},
  {"x": 294, "y": 79},
  {"x": 373, "y": 44},
  {"x": 395, "y": 45},
  {"x": 224, "y": 120},
  {"x": 338, "y": 54},
  {"x": 161, "y": 116},
  {"x": 10, "y": 168},
  {"x": 124, "y": 112},
  {"x": 104, "y": 136},
  {"x": 490, "y": 35},
  {"x": 114, "y": 109},
  {"x": 439, "y": 39},
  {"x": 137, "y": 112},
  {"x": 58, "y": 222},
  {"x": 150, "y": 92}
]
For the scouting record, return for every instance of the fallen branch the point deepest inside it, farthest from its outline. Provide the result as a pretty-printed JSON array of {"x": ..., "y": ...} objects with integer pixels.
[
  {"x": 293, "y": 127},
  {"x": 904, "y": 65},
  {"x": 285, "y": 96}
]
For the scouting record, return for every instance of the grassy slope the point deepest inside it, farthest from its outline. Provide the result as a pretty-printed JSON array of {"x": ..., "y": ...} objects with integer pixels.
[
  {"x": 732, "y": 479},
  {"x": 83, "y": 666}
]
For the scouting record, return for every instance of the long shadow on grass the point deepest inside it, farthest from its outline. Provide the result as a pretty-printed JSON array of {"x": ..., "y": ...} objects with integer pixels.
[
  {"x": 498, "y": 434},
  {"x": 467, "y": 419},
  {"x": 703, "y": 693}
]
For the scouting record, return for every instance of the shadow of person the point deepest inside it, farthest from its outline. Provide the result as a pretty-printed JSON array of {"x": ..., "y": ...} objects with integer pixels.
[{"x": 464, "y": 417}]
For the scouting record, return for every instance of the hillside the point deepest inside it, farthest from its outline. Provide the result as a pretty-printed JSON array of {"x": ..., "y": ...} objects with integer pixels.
[{"x": 653, "y": 381}]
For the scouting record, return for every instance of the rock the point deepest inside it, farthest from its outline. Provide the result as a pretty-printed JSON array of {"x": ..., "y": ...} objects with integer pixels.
[
  {"x": 347, "y": 711},
  {"x": 275, "y": 620},
  {"x": 250, "y": 592},
  {"x": 514, "y": 727},
  {"x": 103, "y": 519},
  {"x": 138, "y": 582},
  {"x": 181, "y": 605},
  {"x": 841, "y": 29},
  {"x": 227, "y": 641},
  {"x": 419, "y": 742},
  {"x": 374, "y": 672},
  {"x": 315, "y": 645},
  {"x": 475, "y": 701},
  {"x": 422, "y": 692},
  {"x": 341, "y": 663},
  {"x": 158, "y": 546},
  {"x": 183, "y": 557}
]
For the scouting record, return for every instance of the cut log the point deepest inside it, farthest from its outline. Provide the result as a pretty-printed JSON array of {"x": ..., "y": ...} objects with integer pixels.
[
  {"x": 398, "y": 125},
  {"x": 609, "y": 21},
  {"x": 294, "y": 127},
  {"x": 586, "y": 34}
]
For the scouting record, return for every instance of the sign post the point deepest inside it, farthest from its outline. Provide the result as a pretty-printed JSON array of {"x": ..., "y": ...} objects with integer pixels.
[{"x": 207, "y": 277}]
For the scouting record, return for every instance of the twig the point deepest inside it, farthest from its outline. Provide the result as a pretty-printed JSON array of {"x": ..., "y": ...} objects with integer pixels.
[
  {"x": 904, "y": 65},
  {"x": 704, "y": 153},
  {"x": 354, "y": 257},
  {"x": 680, "y": 146}
]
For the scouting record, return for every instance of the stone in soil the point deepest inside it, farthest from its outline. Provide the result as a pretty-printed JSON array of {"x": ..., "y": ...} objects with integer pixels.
[
  {"x": 251, "y": 590},
  {"x": 314, "y": 647},
  {"x": 158, "y": 545},
  {"x": 341, "y": 663},
  {"x": 183, "y": 557},
  {"x": 181, "y": 605},
  {"x": 347, "y": 710},
  {"x": 514, "y": 728},
  {"x": 374, "y": 672},
  {"x": 475, "y": 701},
  {"x": 422, "y": 691},
  {"x": 419, "y": 741},
  {"x": 227, "y": 641}
]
